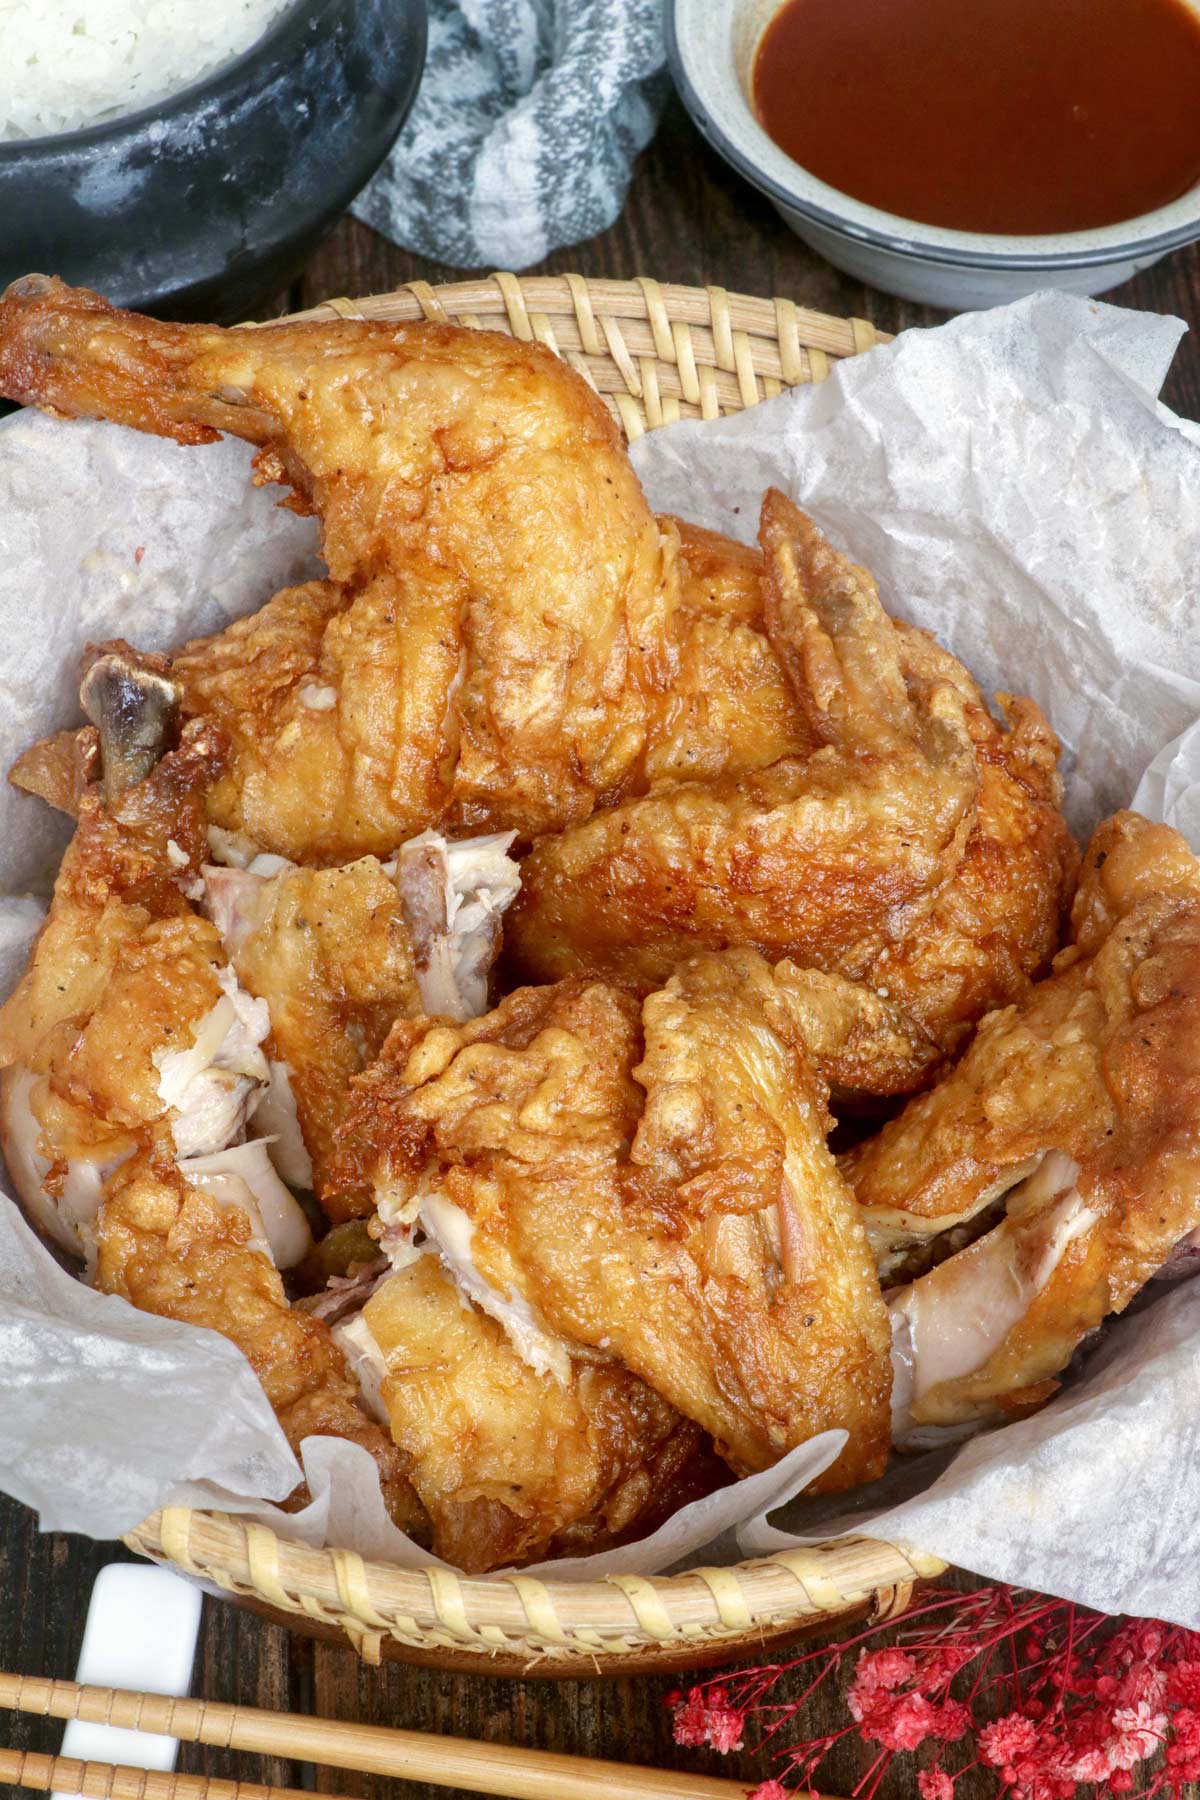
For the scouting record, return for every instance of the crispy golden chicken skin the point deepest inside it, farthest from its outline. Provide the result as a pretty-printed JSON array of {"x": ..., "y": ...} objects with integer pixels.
[
  {"x": 921, "y": 852},
  {"x": 1081, "y": 1105},
  {"x": 513, "y": 1465},
  {"x": 130, "y": 1060},
  {"x": 171, "y": 1248},
  {"x": 494, "y": 616},
  {"x": 825, "y": 857},
  {"x": 650, "y": 1182}
]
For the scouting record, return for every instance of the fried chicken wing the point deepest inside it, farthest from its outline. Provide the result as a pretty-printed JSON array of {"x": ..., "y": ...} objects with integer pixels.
[
  {"x": 649, "y": 1182},
  {"x": 826, "y": 858},
  {"x": 634, "y": 888},
  {"x": 495, "y": 608},
  {"x": 1080, "y": 1105},
  {"x": 510, "y": 1464}
]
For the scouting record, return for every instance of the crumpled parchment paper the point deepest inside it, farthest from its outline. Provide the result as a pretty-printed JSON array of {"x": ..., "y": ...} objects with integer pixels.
[{"x": 1015, "y": 485}]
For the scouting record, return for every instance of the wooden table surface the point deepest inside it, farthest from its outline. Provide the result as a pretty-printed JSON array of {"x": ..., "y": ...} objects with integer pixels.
[{"x": 688, "y": 219}]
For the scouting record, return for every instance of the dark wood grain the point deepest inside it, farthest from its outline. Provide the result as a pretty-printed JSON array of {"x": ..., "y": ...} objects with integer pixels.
[{"x": 688, "y": 219}]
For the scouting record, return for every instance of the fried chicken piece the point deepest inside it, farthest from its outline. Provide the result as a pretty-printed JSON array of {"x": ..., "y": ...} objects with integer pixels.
[
  {"x": 511, "y": 1465},
  {"x": 826, "y": 858},
  {"x": 131, "y": 1062},
  {"x": 171, "y": 1248},
  {"x": 338, "y": 955},
  {"x": 650, "y": 1182},
  {"x": 497, "y": 600},
  {"x": 1035, "y": 1075},
  {"x": 329, "y": 952},
  {"x": 996, "y": 923},
  {"x": 992, "y": 925},
  {"x": 123, "y": 970},
  {"x": 1082, "y": 1106}
]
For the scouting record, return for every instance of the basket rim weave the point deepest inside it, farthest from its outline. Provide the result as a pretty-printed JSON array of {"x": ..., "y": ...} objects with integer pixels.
[{"x": 655, "y": 352}]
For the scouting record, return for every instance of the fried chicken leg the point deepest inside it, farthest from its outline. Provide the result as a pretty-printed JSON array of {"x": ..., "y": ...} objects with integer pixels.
[{"x": 494, "y": 614}]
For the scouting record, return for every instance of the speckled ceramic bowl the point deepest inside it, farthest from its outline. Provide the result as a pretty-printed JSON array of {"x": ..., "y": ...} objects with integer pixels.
[
  {"x": 202, "y": 204},
  {"x": 711, "y": 46}
]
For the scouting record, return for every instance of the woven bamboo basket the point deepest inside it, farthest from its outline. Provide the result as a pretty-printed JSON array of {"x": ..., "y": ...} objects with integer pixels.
[{"x": 655, "y": 353}]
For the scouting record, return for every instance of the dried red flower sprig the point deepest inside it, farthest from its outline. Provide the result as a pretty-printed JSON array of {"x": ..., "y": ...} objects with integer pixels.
[{"x": 1045, "y": 1693}]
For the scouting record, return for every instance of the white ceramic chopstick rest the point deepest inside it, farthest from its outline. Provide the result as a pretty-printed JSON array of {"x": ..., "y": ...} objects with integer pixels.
[{"x": 141, "y": 1633}]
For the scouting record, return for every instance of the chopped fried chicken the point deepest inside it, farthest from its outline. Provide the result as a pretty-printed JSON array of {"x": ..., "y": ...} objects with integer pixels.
[
  {"x": 652, "y": 1183},
  {"x": 508, "y": 641},
  {"x": 607, "y": 1232}
]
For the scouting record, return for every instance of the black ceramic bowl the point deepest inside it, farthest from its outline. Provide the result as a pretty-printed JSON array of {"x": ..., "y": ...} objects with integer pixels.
[{"x": 199, "y": 206}]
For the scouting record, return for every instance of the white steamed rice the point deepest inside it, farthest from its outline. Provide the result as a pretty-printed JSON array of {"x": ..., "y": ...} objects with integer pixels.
[{"x": 69, "y": 63}]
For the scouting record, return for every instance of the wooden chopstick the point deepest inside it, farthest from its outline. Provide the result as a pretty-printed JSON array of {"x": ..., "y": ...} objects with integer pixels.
[
  {"x": 503, "y": 1769},
  {"x": 109, "y": 1781}
]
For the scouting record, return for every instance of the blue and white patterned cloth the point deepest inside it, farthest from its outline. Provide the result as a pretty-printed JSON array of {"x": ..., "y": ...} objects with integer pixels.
[{"x": 524, "y": 132}]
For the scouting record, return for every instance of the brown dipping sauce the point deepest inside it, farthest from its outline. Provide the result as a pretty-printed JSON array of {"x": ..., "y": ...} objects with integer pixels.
[{"x": 989, "y": 115}]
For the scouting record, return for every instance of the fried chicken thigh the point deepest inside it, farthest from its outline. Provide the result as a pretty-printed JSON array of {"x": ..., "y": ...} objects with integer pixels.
[
  {"x": 1081, "y": 1107},
  {"x": 648, "y": 1182}
]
